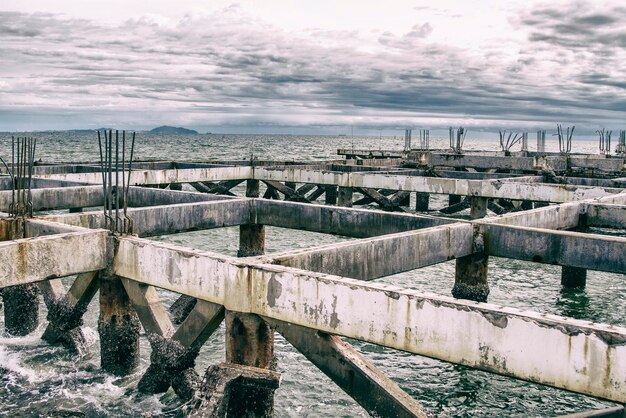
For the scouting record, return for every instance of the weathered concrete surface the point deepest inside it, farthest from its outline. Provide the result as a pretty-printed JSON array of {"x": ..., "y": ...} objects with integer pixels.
[
  {"x": 33, "y": 259},
  {"x": 502, "y": 188},
  {"x": 118, "y": 327},
  {"x": 59, "y": 198},
  {"x": 564, "y": 216},
  {"x": 478, "y": 207},
  {"x": 582, "y": 358},
  {"x": 344, "y": 196},
  {"x": 575, "y": 249},
  {"x": 337, "y": 220},
  {"x": 21, "y": 309},
  {"x": 171, "y": 219},
  {"x": 221, "y": 396},
  {"x": 421, "y": 201},
  {"x": 249, "y": 340},
  {"x": 66, "y": 310},
  {"x": 181, "y": 308},
  {"x": 605, "y": 215},
  {"x": 200, "y": 324},
  {"x": 142, "y": 196},
  {"x": 163, "y": 176},
  {"x": 373, "y": 258},
  {"x": 352, "y": 372},
  {"x": 153, "y": 316},
  {"x": 251, "y": 240}
]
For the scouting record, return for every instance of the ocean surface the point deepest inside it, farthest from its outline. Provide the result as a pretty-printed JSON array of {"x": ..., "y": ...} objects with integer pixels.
[{"x": 41, "y": 380}]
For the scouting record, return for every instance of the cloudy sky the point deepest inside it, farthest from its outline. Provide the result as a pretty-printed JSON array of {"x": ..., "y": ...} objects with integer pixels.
[{"x": 321, "y": 65}]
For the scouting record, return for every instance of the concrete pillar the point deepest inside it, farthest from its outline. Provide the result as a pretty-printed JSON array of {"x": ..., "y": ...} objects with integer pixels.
[
  {"x": 478, "y": 207},
  {"x": 21, "y": 309},
  {"x": 118, "y": 326},
  {"x": 252, "y": 188},
  {"x": 249, "y": 339},
  {"x": 291, "y": 185},
  {"x": 345, "y": 197},
  {"x": 251, "y": 240},
  {"x": 405, "y": 201},
  {"x": 421, "y": 201},
  {"x": 331, "y": 195},
  {"x": 470, "y": 280},
  {"x": 453, "y": 199},
  {"x": 527, "y": 205},
  {"x": 573, "y": 277}
]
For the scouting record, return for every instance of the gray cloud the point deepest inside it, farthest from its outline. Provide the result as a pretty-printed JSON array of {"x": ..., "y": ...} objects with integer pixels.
[{"x": 229, "y": 68}]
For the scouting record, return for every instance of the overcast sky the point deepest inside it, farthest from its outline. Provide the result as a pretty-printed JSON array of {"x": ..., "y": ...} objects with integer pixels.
[{"x": 267, "y": 65}]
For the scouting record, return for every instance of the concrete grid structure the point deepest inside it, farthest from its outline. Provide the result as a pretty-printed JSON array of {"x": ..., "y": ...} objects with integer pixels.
[{"x": 315, "y": 296}]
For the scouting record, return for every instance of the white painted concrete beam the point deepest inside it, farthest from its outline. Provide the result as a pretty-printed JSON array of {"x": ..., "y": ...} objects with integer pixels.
[
  {"x": 59, "y": 198},
  {"x": 34, "y": 259},
  {"x": 583, "y": 357},
  {"x": 605, "y": 215},
  {"x": 574, "y": 249},
  {"x": 372, "y": 258},
  {"x": 157, "y": 220},
  {"x": 339, "y": 220}
]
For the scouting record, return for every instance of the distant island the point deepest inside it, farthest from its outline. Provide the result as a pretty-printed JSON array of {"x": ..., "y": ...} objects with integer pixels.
[{"x": 173, "y": 130}]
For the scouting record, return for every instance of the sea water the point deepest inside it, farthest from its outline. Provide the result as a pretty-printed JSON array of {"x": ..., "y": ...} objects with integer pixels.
[{"x": 41, "y": 380}]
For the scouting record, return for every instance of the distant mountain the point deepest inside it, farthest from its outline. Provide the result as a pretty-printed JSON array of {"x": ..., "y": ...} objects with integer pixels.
[{"x": 173, "y": 130}]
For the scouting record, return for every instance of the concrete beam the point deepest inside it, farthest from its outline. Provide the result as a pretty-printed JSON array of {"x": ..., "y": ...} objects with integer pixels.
[
  {"x": 583, "y": 356},
  {"x": 170, "y": 219},
  {"x": 143, "y": 196},
  {"x": 372, "y": 258},
  {"x": 152, "y": 315},
  {"x": 34, "y": 259},
  {"x": 338, "y": 220},
  {"x": 70, "y": 307},
  {"x": 352, "y": 372},
  {"x": 574, "y": 249},
  {"x": 605, "y": 215},
  {"x": 59, "y": 198},
  {"x": 564, "y": 216},
  {"x": 164, "y": 176},
  {"x": 499, "y": 189}
]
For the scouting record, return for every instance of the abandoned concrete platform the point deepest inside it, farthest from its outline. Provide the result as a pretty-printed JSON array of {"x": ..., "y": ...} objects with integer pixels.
[{"x": 533, "y": 207}]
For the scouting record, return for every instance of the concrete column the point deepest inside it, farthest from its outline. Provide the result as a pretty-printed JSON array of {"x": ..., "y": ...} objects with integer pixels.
[
  {"x": 21, "y": 309},
  {"x": 251, "y": 240},
  {"x": 470, "y": 280},
  {"x": 406, "y": 201},
  {"x": 345, "y": 197},
  {"x": 249, "y": 339},
  {"x": 252, "y": 188},
  {"x": 573, "y": 277},
  {"x": 421, "y": 201},
  {"x": 453, "y": 199},
  {"x": 478, "y": 207},
  {"x": 118, "y": 326},
  {"x": 527, "y": 205},
  {"x": 331, "y": 195}
]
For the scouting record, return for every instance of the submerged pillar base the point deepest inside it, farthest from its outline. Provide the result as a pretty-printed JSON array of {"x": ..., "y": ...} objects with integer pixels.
[
  {"x": 470, "y": 280},
  {"x": 232, "y": 390},
  {"x": 118, "y": 326},
  {"x": 573, "y": 277},
  {"x": 21, "y": 309}
]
